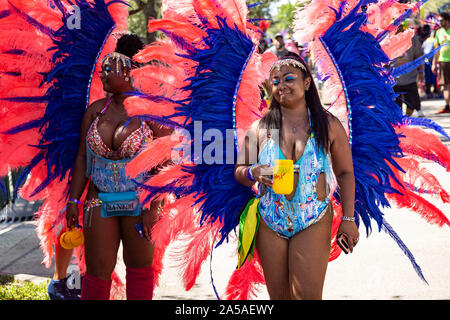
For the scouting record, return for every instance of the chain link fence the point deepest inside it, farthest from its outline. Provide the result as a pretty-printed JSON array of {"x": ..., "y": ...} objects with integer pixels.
[{"x": 14, "y": 209}]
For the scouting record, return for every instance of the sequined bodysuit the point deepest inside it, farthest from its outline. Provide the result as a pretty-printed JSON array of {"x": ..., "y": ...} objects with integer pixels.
[
  {"x": 288, "y": 217},
  {"x": 109, "y": 175}
]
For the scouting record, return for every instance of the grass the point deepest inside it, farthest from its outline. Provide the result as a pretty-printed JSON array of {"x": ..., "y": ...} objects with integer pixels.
[{"x": 15, "y": 290}]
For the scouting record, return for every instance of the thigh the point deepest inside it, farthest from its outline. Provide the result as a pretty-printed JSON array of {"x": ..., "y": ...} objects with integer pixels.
[
  {"x": 446, "y": 73},
  {"x": 137, "y": 251},
  {"x": 273, "y": 252},
  {"x": 309, "y": 251},
  {"x": 102, "y": 239}
]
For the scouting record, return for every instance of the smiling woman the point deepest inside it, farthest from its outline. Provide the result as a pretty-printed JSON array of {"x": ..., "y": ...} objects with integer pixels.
[{"x": 295, "y": 228}]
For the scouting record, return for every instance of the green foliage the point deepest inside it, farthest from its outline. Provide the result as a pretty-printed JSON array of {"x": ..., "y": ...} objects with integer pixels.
[
  {"x": 261, "y": 11},
  {"x": 5, "y": 279},
  {"x": 433, "y": 6},
  {"x": 140, "y": 13},
  {"x": 14, "y": 290},
  {"x": 284, "y": 17}
]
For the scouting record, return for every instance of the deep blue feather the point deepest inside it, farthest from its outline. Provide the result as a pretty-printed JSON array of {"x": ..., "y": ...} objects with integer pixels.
[
  {"x": 75, "y": 52},
  {"x": 3, "y": 188},
  {"x": 424, "y": 122},
  {"x": 373, "y": 115},
  {"x": 407, "y": 67},
  {"x": 211, "y": 91},
  {"x": 390, "y": 231}
]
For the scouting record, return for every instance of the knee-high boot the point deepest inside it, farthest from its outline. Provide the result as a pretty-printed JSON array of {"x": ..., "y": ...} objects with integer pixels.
[
  {"x": 139, "y": 283},
  {"x": 94, "y": 288}
]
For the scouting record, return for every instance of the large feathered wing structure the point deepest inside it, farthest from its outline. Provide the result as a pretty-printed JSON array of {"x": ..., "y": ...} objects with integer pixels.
[
  {"x": 205, "y": 76},
  {"x": 48, "y": 76},
  {"x": 353, "y": 43}
]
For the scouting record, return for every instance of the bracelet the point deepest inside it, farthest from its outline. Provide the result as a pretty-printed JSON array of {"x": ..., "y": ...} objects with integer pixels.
[
  {"x": 250, "y": 174},
  {"x": 74, "y": 201},
  {"x": 345, "y": 218}
]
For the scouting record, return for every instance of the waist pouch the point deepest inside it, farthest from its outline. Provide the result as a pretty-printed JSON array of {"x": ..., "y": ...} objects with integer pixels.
[{"x": 117, "y": 204}]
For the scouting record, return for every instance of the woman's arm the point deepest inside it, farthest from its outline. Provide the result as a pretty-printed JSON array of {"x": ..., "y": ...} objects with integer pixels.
[
  {"x": 341, "y": 156},
  {"x": 79, "y": 179},
  {"x": 247, "y": 157},
  {"x": 156, "y": 205}
]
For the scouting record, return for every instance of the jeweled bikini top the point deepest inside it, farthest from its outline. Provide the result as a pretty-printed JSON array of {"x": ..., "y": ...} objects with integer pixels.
[{"x": 129, "y": 147}]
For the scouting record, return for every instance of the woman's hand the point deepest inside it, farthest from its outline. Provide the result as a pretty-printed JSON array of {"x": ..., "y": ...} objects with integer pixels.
[
  {"x": 150, "y": 216},
  {"x": 72, "y": 215},
  {"x": 435, "y": 68},
  {"x": 262, "y": 174},
  {"x": 350, "y": 232},
  {"x": 147, "y": 224}
]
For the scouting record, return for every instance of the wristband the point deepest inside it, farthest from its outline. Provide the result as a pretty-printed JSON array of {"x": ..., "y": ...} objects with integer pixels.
[
  {"x": 250, "y": 174},
  {"x": 345, "y": 218},
  {"x": 74, "y": 201}
]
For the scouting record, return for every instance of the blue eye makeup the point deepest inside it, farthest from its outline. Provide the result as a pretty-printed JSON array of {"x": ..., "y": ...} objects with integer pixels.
[
  {"x": 290, "y": 78},
  {"x": 275, "y": 82}
]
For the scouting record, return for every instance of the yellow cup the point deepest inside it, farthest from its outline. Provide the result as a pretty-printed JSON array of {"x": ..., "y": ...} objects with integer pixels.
[
  {"x": 283, "y": 177},
  {"x": 71, "y": 239}
]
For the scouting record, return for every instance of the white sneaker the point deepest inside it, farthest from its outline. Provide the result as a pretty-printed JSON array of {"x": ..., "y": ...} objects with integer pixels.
[{"x": 420, "y": 114}]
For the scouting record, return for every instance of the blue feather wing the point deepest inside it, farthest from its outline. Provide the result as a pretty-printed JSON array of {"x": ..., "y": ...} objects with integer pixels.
[
  {"x": 372, "y": 116},
  {"x": 210, "y": 104},
  {"x": 75, "y": 55}
]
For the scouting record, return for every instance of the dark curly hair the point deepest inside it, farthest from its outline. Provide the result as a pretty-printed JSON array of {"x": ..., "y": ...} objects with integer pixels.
[{"x": 129, "y": 45}]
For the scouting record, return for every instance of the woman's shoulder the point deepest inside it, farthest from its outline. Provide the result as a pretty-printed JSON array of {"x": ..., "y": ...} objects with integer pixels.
[
  {"x": 333, "y": 121},
  {"x": 97, "y": 105},
  {"x": 93, "y": 110},
  {"x": 336, "y": 128}
]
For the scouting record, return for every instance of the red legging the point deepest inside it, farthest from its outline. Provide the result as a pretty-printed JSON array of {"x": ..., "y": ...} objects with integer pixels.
[
  {"x": 94, "y": 288},
  {"x": 139, "y": 285}
]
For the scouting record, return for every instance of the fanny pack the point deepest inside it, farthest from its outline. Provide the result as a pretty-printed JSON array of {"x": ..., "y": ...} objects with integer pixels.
[{"x": 118, "y": 204}]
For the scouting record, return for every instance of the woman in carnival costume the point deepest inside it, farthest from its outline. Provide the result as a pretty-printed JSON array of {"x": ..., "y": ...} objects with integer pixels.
[
  {"x": 294, "y": 234},
  {"x": 351, "y": 42},
  {"x": 52, "y": 69}
]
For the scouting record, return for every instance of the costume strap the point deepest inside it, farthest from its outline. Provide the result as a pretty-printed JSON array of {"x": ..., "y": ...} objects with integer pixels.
[{"x": 108, "y": 102}]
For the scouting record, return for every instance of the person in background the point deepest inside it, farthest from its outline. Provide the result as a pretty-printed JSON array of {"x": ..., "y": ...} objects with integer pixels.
[
  {"x": 278, "y": 47},
  {"x": 430, "y": 77},
  {"x": 406, "y": 85},
  {"x": 291, "y": 46},
  {"x": 441, "y": 62}
]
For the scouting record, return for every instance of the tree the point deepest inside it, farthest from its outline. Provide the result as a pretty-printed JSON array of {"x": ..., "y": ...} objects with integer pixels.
[
  {"x": 261, "y": 11},
  {"x": 140, "y": 12},
  {"x": 284, "y": 18},
  {"x": 433, "y": 6}
]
